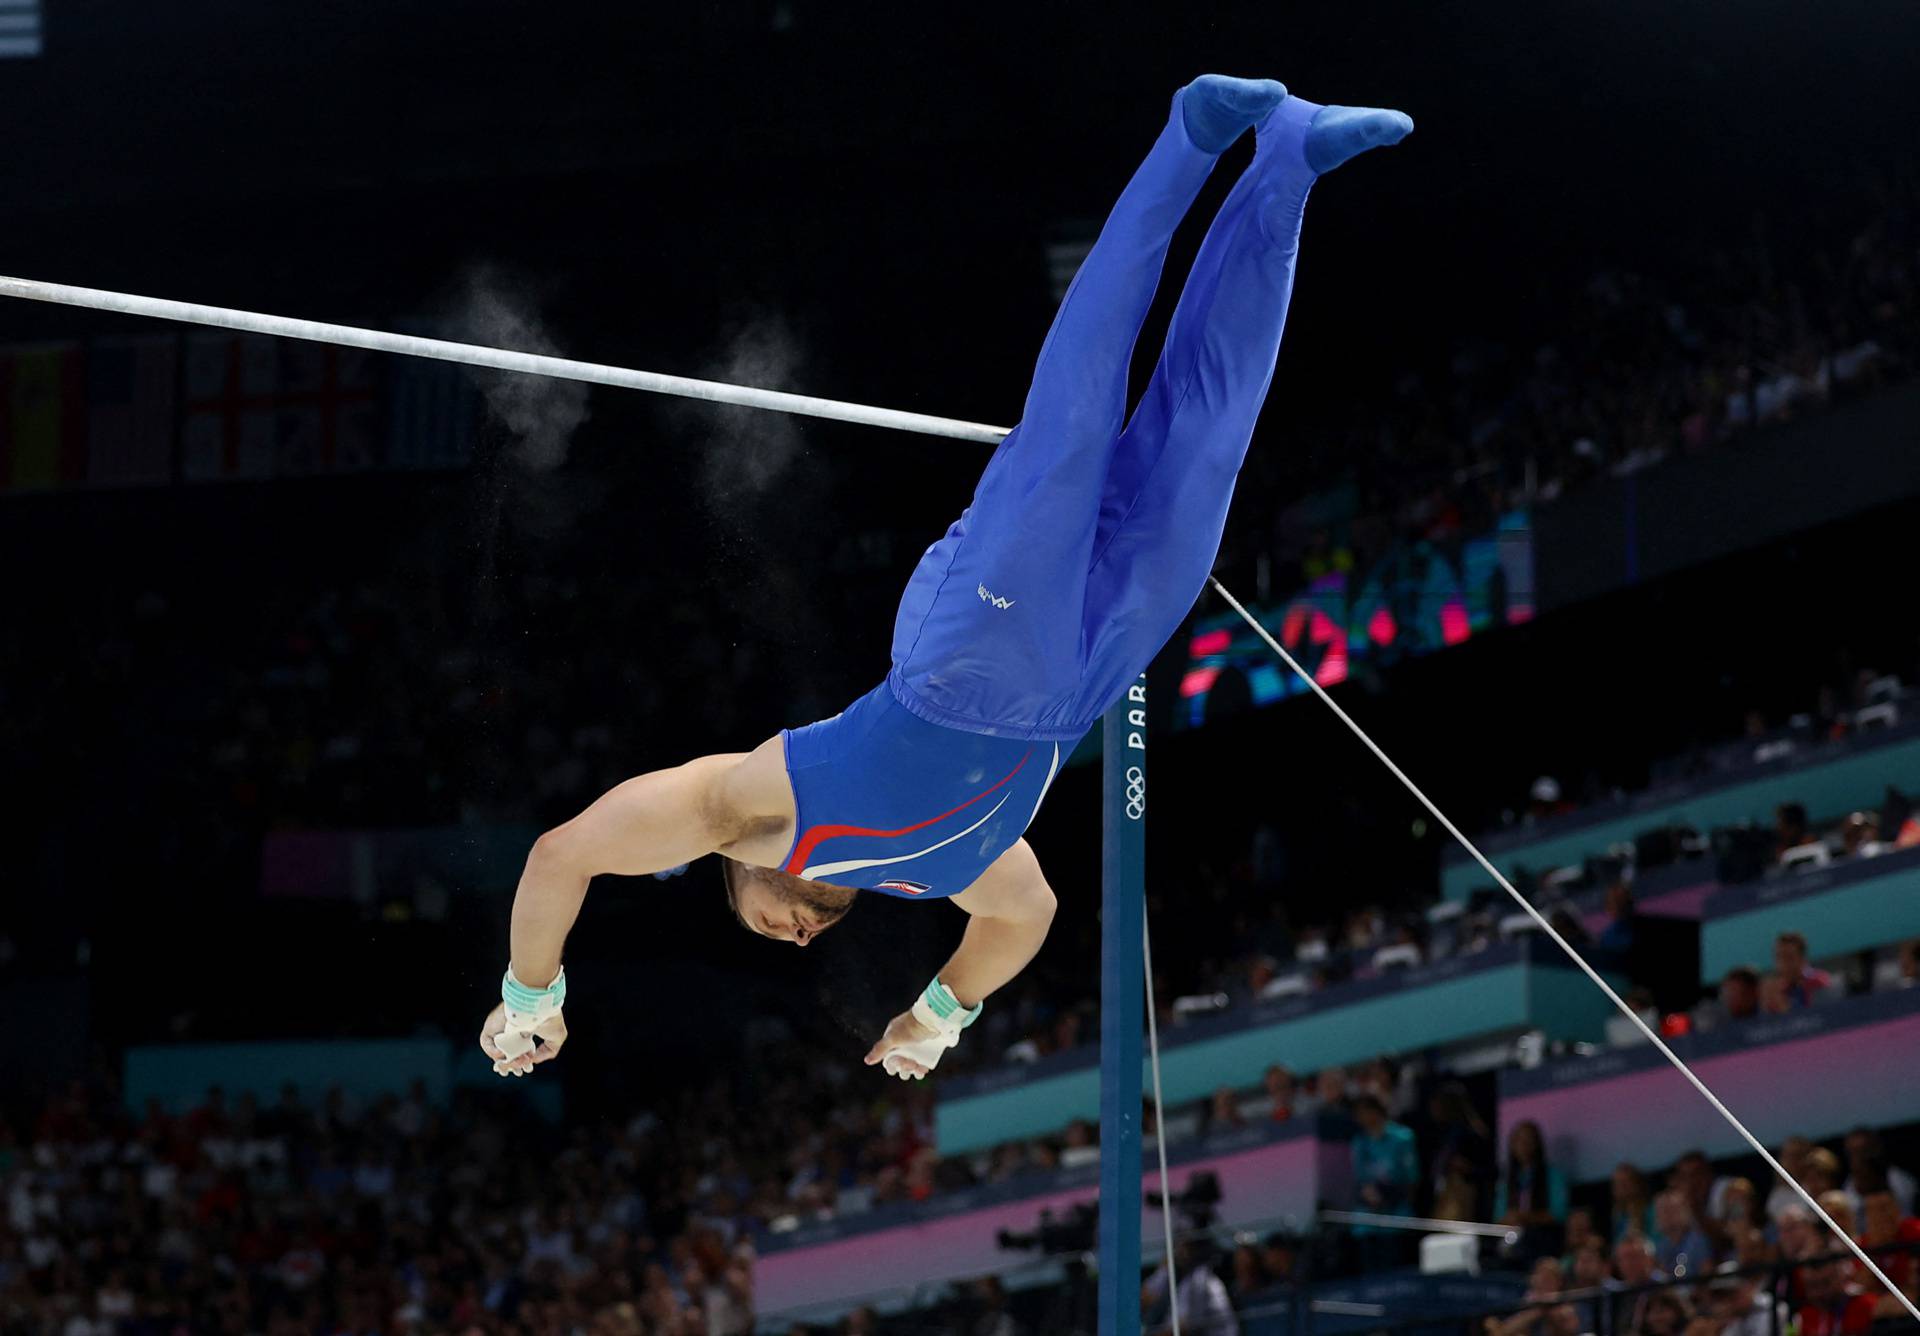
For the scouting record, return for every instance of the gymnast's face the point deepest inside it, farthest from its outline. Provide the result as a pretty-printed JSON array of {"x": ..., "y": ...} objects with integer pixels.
[{"x": 782, "y": 906}]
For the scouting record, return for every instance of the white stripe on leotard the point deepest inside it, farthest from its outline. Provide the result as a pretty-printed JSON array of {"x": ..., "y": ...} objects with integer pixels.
[{"x": 821, "y": 870}]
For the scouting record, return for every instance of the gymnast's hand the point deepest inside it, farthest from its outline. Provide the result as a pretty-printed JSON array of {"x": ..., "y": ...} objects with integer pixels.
[
  {"x": 516, "y": 1054},
  {"x": 909, "y": 1049}
]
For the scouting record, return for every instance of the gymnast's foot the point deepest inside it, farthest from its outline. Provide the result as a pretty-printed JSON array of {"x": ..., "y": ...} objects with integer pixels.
[
  {"x": 1338, "y": 133},
  {"x": 1217, "y": 109}
]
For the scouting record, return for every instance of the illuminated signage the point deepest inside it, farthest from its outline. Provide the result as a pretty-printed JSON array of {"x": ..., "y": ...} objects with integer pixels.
[{"x": 1419, "y": 597}]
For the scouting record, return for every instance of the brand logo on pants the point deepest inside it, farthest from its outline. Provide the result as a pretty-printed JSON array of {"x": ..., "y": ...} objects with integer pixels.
[{"x": 1001, "y": 603}]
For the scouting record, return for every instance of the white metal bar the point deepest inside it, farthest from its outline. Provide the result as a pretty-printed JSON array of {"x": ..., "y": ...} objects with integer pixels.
[
  {"x": 1414, "y": 1222},
  {"x": 497, "y": 359}
]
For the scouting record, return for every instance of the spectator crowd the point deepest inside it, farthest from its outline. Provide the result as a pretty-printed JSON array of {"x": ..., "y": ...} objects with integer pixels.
[{"x": 401, "y": 1214}]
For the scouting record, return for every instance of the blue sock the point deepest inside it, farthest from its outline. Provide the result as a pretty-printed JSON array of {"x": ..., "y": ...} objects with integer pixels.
[
  {"x": 1338, "y": 133},
  {"x": 1217, "y": 109}
]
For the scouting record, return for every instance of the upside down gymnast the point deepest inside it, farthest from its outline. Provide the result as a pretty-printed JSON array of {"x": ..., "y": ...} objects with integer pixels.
[{"x": 1088, "y": 539}]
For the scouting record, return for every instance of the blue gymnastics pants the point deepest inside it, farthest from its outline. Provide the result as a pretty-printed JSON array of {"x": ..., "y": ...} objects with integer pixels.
[{"x": 1090, "y": 534}]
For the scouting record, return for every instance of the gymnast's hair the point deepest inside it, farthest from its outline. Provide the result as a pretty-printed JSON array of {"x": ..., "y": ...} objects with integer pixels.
[
  {"x": 827, "y": 904},
  {"x": 731, "y": 873}
]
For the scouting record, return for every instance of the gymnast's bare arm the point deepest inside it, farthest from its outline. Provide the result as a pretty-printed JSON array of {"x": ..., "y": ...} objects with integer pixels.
[
  {"x": 739, "y": 804},
  {"x": 1011, "y": 908}
]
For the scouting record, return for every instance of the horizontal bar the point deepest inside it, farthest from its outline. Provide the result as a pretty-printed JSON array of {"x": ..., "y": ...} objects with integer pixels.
[
  {"x": 1416, "y": 1223},
  {"x": 498, "y": 359},
  {"x": 1344, "y": 1308}
]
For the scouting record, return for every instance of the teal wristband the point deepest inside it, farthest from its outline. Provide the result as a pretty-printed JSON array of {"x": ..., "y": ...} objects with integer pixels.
[
  {"x": 942, "y": 1003},
  {"x": 519, "y": 997}
]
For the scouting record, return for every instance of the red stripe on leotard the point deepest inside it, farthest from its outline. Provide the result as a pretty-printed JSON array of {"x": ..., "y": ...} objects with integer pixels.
[{"x": 817, "y": 835}]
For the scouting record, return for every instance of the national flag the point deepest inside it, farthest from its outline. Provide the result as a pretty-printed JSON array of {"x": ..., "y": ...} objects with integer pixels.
[
  {"x": 433, "y": 415},
  {"x": 132, "y": 390},
  {"x": 259, "y": 408},
  {"x": 42, "y": 417}
]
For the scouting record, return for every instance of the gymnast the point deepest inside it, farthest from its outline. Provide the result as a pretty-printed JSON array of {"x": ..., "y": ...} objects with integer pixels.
[{"x": 1089, "y": 537}]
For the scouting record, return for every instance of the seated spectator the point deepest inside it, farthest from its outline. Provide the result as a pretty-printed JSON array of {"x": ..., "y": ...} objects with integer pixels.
[
  {"x": 1775, "y": 999},
  {"x": 1680, "y": 1246},
  {"x": 1544, "y": 1285},
  {"x": 1801, "y": 1236},
  {"x": 1666, "y": 1313},
  {"x": 1832, "y": 1305},
  {"x": 1545, "y": 801},
  {"x": 1457, "y": 1189},
  {"x": 1821, "y": 1173},
  {"x": 1281, "y": 1090},
  {"x": 1748, "y": 1245},
  {"x": 1364, "y": 929},
  {"x": 1739, "y": 1000},
  {"x": 1632, "y": 1211},
  {"x": 1565, "y": 922},
  {"x": 1590, "y": 1271},
  {"x": 1223, "y": 1111},
  {"x": 1277, "y": 1257},
  {"x": 1860, "y": 831},
  {"x": 1734, "y": 1208},
  {"x": 1803, "y": 981},
  {"x": 1579, "y": 1231},
  {"x": 1884, "y": 1228},
  {"x": 1868, "y": 1171},
  {"x": 1380, "y": 1079},
  {"x": 1798, "y": 1232},
  {"x": 1617, "y": 935},
  {"x": 1633, "y": 1263},
  {"x": 1202, "y": 1301},
  {"x": 1330, "y": 1093},
  {"x": 1248, "y": 1277},
  {"x": 1909, "y": 975},
  {"x": 1531, "y": 1194},
  {"x": 990, "y": 1316},
  {"x": 1566, "y": 1320},
  {"x": 1840, "y": 1210},
  {"x": 1705, "y": 1192},
  {"x": 1789, "y": 828},
  {"x": 1739, "y": 1306},
  {"x": 1261, "y": 971}
]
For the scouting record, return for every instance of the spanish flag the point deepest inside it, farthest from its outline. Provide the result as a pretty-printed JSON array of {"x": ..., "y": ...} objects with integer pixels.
[{"x": 43, "y": 429}]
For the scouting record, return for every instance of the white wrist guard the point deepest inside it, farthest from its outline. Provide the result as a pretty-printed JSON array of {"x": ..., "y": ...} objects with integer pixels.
[
  {"x": 527, "y": 1010},
  {"x": 940, "y": 1011}
]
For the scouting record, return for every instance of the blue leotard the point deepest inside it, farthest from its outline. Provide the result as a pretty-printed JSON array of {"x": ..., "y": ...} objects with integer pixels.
[
  {"x": 1089, "y": 537},
  {"x": 889, "y": 802}
]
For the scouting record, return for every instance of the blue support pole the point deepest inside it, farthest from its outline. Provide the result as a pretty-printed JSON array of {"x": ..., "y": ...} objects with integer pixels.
[{"x": 1122, "y": 1006}]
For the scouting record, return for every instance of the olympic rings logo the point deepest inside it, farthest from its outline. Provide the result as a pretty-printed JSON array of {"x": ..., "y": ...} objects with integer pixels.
[{"x": 1136, "y": 793}]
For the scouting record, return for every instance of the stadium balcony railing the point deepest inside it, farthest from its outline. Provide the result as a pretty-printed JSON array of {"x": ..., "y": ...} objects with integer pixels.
[
  {"x": 1494, "y": 995},
  {"x": 1834, "y": 776},
  {"x": 1860, "y": 904},
  {"x": 1608, "y": 1310},
  {"x": 1049, "y": 1294}
]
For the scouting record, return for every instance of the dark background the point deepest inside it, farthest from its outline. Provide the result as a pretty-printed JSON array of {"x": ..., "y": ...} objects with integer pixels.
[{"x": 861, "y": 199}]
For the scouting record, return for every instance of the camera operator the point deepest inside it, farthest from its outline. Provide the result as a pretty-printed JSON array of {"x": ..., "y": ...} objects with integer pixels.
[{"x": 1201, "y": 1299}]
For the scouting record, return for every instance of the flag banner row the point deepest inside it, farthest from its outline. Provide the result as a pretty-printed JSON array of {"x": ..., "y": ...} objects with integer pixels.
[{"x": 169, "y": 409}]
